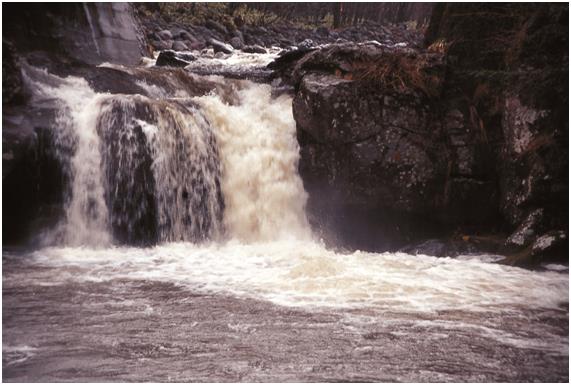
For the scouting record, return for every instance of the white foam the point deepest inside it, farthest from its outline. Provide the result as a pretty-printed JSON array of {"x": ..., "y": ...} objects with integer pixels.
[
  {"x": 263, "y": 193},
  {"x": 306, "y": 274},
  {"x": 87, "y": 217},
  {"x": 238, "y": 61}
]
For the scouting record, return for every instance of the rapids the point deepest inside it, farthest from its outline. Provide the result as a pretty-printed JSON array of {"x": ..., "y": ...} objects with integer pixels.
[{"x": 234, "y": 285}]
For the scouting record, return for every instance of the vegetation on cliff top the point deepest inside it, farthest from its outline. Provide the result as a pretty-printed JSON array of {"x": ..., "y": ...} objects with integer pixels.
[{"x": 300, "y": 15}]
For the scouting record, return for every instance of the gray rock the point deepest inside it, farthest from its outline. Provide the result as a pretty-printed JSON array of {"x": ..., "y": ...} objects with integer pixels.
[
  {"x": 369, "y": 150},
  {"x": 549, "y": 241},
  {"x": 179, "y": 46},
  {"x": 181, "y": 34},
  {"x": 164, "y": 35},
  {"x": 186, "y": 56},
  {"x": 238, "y": 34},
  {"x": 306, "y": 44},
  {"x": 220, "y": 47},
  {"x": 236, "y": 42},
  {"x": 527, "y": 230},
  {"x": 196, "y": 45},
  {"x": 170, "y": 59},
  {"x": 161, "y": 45},
  {"x": 254, "y": 49},
  {"x": 111, "y": 34}
]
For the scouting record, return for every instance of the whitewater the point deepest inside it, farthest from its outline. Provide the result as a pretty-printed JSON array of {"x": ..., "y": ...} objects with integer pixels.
[{"x": 219, "y": 173}]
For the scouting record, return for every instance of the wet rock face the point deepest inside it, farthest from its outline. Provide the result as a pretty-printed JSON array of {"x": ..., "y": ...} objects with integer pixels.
[
  {"x": 380, "y": 138},
  {"x": 12, "y": 88},
  {"x": 385, "y": 149},
  {"x": 133, "y": 220},
  {"x": 91, "y": 33},
  {"x": 374, "y": 151},
  {"x": 32, "y": 176},
  {"x": 478, "y": 145},
  {"x": 533, "y": 170}
]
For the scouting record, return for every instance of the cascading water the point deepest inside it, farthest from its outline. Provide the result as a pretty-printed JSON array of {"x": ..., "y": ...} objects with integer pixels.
[
  {"x": 142, "y": 170},
  {"x": 147, "y": 169},
  {"x": 212, "y": 181},
  {"x": 264, "y": 195},
  {"x": 162, "y": 171},
  {"x": 77, "y": 143}
]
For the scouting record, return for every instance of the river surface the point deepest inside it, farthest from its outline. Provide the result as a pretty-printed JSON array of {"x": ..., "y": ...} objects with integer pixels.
[
  {"x": 277, "y": 312},
  {"x": 238, "y": 288}
]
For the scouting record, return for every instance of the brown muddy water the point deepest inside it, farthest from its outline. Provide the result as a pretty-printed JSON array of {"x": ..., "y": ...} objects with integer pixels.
[{"x": 88, "y": 321}]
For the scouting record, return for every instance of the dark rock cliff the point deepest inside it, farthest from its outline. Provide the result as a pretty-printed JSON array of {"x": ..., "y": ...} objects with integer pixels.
[
  {"x": 512, "y": 80},
  {"x": 84, "y": 32},
  {"x": 466, "y": 140}
]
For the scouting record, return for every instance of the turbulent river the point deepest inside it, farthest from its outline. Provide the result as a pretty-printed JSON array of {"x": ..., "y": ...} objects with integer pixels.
[{"x": 228, "y": 282}]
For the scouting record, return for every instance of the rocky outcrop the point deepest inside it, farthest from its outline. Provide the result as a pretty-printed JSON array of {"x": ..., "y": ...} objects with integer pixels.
[
  {"x": 371, "y": 151},
  {"x": 400, "y": 145},
  {"x": 375, "y": 141},
  {"x": 91, "y": 33},
  {"x": 516, "y": 88}
]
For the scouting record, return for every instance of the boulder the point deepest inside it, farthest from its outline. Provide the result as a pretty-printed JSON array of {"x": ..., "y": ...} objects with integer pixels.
[
  {"x": 179, "y": 46},
  {"x": 236, "y": 42},
  {"x": 220, "y": 47},
  {"x": 170, "y": 59},
  {"x": 306, "y": 44},
  {"x": 254, "y": 49},
  {"x": 393, "y": 149},
  {"x": 185, "y": 56},
  {"x": 552, "y": 243},
  {"x": 160, "y": 45},
  {"x": 164, "y": 35},
  {"x": 196, "y": 45},
  {"x": 181, "y": 34},
  {"x": 237, "y": 33}
]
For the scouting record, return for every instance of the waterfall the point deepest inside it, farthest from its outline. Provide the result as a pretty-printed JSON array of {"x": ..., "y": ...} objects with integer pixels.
[
  {"x": 142, "y": 170},
  {"x": 77, "y": 143},
  {"x": 162, "y": 170},
  {"x": 263, "y": 192},
  {"x": 148, "y": 169}
]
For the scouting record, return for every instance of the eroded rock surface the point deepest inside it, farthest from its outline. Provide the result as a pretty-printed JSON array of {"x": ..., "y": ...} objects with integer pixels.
[{"x": 400, "y": 144}]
